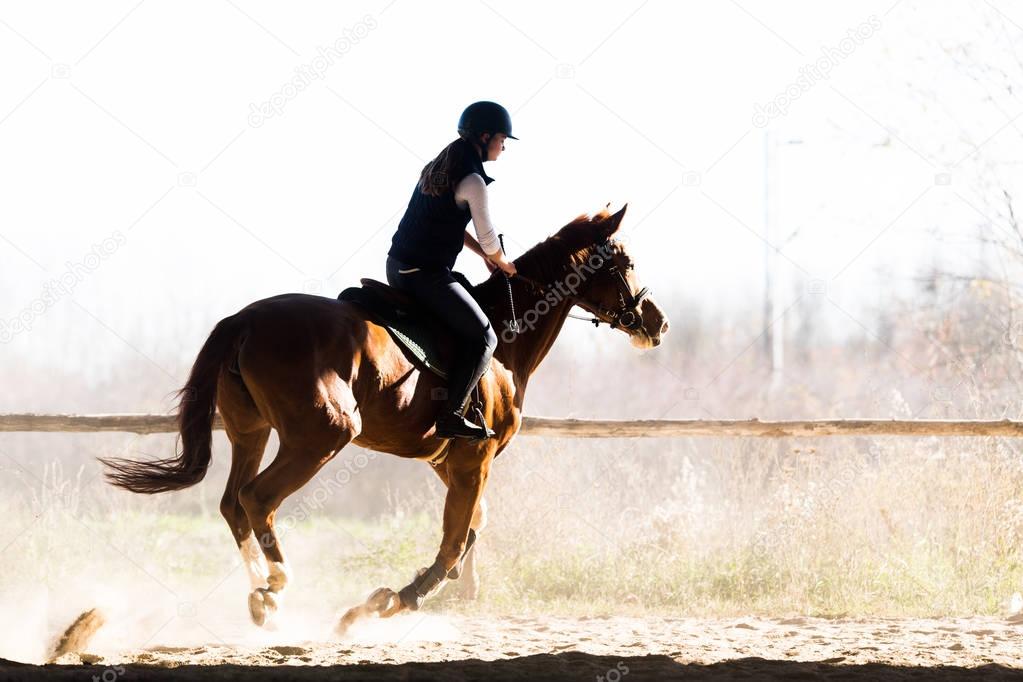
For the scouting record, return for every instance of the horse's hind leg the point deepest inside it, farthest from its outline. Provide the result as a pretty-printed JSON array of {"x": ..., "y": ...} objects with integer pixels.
[
  {"x": 248, "y": 433},
  {"x": 246, "y": 455},
  {"x": 293, "y": 467}
]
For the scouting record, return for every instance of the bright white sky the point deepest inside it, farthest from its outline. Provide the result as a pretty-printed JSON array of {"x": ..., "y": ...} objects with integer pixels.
[{"x": 135, "y": 117}]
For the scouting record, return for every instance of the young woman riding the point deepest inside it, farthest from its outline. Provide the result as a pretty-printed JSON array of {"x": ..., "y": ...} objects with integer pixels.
[{"x": 452, "y": 188}]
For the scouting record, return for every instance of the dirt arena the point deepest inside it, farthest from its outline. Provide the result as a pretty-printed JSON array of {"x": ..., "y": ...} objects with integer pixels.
[{"x": 440, "y": 647}]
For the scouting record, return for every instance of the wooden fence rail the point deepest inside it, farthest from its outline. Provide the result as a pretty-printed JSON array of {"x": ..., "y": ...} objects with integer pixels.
[{"x": 579, "y": 428}]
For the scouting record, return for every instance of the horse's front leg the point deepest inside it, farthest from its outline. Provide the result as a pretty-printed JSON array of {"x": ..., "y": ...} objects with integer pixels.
[
  {"x": 465, "y": 489},
  {"x": 466, "y": 482},
  {"x": 465, "y": 572},
  {"x": 468, "y": 585}
]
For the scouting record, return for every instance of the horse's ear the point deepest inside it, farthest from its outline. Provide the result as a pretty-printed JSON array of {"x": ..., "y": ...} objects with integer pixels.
[{"x": 611, "y": 224}]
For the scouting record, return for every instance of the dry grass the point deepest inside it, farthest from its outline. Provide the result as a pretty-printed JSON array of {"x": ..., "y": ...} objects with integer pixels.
[{"x": 885, "y": 528}]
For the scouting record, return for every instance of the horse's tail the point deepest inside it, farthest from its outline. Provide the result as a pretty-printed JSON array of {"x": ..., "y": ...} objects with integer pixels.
[{"x": 196, "y": 409}]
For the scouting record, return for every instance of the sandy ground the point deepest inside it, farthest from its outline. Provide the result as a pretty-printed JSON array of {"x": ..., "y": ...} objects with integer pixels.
[{"x": 458, "y": 647}]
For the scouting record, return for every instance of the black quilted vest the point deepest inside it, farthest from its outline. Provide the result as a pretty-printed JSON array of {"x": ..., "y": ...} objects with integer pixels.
[{"x": 431, "y": 233}]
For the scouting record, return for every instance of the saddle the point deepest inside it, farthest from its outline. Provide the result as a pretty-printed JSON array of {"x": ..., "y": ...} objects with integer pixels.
[{"x": 423, "y": 339}]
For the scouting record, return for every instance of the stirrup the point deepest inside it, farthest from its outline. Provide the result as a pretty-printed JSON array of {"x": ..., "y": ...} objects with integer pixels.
[
  {"x": 460, "y": 428},
  {"x": 478, "y": 411}
]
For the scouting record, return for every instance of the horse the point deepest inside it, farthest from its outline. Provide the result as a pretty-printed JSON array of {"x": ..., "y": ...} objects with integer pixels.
[{"x": 323, "y": 374}]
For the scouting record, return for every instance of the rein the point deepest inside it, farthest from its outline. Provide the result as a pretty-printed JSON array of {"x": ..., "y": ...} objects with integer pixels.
[{"x": 626, "y": 315}]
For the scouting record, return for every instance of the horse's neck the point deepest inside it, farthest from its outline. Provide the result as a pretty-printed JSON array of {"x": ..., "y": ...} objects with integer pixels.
[{"x": 523, "y": 352}]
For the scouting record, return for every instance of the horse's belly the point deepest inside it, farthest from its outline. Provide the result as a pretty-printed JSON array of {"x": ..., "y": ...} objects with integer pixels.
[
  {"x": 397, "y": 426},
  {"x": 394, "y": 442}
]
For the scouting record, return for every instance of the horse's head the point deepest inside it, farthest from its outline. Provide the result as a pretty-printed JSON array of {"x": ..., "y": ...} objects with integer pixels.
[{"x": 610, "y": 289}]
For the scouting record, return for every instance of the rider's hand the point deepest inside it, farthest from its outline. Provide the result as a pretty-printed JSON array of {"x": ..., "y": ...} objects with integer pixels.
[
  {"x": 490, "y": 266},
  {"x": 498, "y": 260},
  {"x": 507, "y": 266}
]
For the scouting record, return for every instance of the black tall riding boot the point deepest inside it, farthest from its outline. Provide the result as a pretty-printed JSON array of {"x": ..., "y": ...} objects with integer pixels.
[{"x": 461, "y": 380}]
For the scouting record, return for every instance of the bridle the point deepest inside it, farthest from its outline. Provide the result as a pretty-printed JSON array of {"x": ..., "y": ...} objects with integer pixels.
[{"x": 627, "y": 314}]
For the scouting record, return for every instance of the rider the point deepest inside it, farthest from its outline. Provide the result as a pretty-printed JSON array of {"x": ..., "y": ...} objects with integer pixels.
[{"x": 452, "y": 189}]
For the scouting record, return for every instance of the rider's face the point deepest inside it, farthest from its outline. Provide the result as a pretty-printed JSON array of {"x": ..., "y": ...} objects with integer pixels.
[{"x": 495, "y": 146}]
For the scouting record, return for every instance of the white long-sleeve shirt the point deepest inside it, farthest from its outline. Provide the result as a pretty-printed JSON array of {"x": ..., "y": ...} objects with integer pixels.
[{"x": 473, "y": 190}]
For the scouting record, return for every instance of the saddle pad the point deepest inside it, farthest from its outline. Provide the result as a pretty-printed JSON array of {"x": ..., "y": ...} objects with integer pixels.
[{"x": 408, "y": 330}]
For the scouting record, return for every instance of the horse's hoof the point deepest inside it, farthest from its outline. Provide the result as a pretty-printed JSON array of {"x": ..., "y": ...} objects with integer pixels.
[
  {"x": 262, "y": 606},
  {"x": 383, "y": 603}
]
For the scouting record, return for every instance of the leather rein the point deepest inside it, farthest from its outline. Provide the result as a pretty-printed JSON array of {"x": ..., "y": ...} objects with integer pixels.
[{"x": 627, "y": 315}]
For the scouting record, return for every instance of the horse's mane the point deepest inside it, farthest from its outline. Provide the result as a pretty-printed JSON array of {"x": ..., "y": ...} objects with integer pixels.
[
  {"x": 569, "y": 246},
  {"x": 548, "y": 260}
]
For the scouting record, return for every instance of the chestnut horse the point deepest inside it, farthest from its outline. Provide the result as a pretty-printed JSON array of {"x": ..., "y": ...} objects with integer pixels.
[{"x": 322, "y": 374}]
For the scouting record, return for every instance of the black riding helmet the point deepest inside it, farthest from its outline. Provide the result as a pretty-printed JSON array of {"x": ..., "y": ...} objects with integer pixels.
[{"x": 485, "y": 117}]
